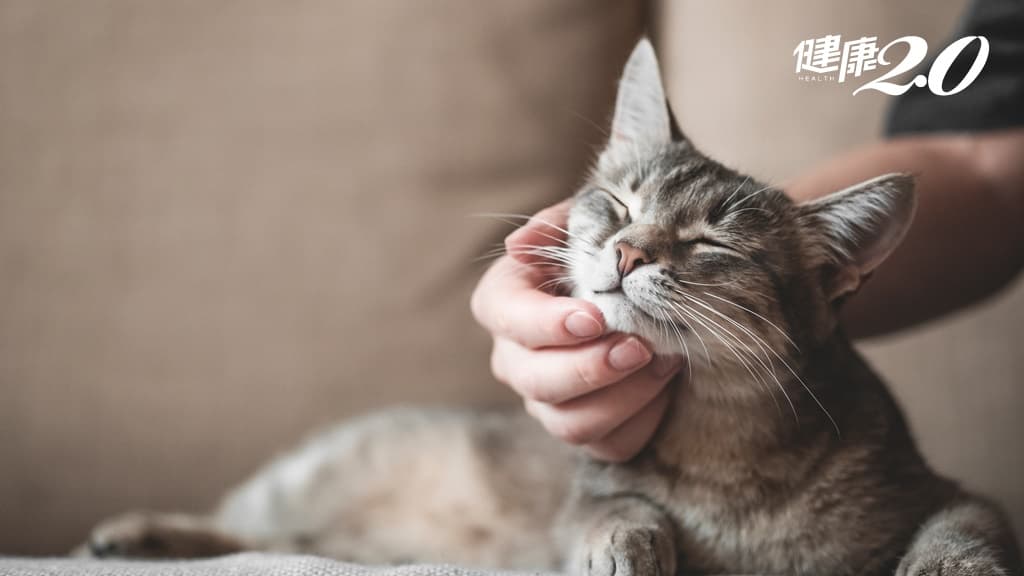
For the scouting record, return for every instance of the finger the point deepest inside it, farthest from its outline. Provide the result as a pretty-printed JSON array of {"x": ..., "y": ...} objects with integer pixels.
[
  {"x": 555, "y": 375},
  {"x": 545, "y": 228},
  {"x": 508, "y": 304},
  {"x": 595, "y": 416},
  {"x": 626, "y": 441}
]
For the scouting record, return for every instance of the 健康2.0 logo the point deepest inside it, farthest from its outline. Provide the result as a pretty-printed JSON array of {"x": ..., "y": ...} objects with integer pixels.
[{"x": 829, "y": 59}]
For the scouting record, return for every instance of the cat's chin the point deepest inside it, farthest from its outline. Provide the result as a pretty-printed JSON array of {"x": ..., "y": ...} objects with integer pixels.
[{"x": 621, "y": 315}]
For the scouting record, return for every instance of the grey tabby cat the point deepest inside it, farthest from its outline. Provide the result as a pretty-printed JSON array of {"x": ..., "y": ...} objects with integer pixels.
[{"x": 782, "y": 452}]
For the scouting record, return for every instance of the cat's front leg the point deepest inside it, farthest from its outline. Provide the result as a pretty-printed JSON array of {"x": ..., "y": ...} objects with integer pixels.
[
  {"x": 156, "y": 535},
  {"x": 617, "y": 536},
  {"x": 966, "y": 538}
]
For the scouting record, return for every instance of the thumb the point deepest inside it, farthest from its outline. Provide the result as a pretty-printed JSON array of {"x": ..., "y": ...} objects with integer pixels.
[{"x": 545, "y": 228}]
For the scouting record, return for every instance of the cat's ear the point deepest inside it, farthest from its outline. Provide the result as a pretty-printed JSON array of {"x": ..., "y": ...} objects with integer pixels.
[
  {"x": 855, "y": 230},
  {"x": 642, "y": 119}
]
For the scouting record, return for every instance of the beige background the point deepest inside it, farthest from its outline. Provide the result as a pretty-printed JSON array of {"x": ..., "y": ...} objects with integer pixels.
[{"x": 223, "y": 224}]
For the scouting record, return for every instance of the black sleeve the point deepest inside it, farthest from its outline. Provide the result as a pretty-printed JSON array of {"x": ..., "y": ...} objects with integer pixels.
[{"x": 994, "y": 100}]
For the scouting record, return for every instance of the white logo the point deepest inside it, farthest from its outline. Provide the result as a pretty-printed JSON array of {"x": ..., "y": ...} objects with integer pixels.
[{"x": 828, "y": 59}]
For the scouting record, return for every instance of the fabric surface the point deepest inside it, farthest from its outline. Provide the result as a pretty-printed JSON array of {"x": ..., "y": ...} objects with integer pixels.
[{"x": 248, "y": 564}]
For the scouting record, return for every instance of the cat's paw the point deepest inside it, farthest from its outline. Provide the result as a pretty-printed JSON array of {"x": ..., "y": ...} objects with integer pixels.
[
  {"x": 151, "y": 535},
  {"x": 132, "y": 535},
  {"x": 980, "y": 562},
  {"x": 628, "y": 551}
]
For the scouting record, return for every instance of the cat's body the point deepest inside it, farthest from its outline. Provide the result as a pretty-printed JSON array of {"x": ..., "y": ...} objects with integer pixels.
[
  {"x": 473, "y": 488},
  {"x": 781, "y": 497},
  {"x": 781, "y": 453}
]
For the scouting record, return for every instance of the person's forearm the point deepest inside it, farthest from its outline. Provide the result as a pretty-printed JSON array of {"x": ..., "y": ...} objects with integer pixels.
[{"x": 966, "y": 241}]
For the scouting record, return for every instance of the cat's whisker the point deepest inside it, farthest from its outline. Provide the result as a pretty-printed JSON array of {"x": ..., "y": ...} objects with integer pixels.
[
  {"x": 676, "y": 278},
  {"x": 734, "y": 192},
  {"x": 560, "y": 250},
  {"x": 661, "y": 322},
  {"x": 664, "y": 325},
  {"x": 708, "y": 324},
  {"x": 563, "y": 254},
  {"x": 496, "y": 249},
  {"x": 540, "y": 253},
  {"x": 486, "y": 257},
  {"x": 736, "y": 345},
  {"x": 736, "y": 285},
  {"x": 561, "y": 262},
  {"x": 551, "y": 255},
  {"x": 555, "y": 282},
  {"x": 760, "y": 342},
  {"x": 723, "y": 329},
  {"x": 731, "y": 347},
  {"x": 552, "y": 249},
  {"x": 557, "y": 265},
  {"x": 762, "y": 318},
  {"x": 549, "y": 252},
  {"x": 601, "y": 129},
  {"x": 762, "y": 345},
  {"x": 751, "y": 208},
  {"x": 561, "y": 241},
  {"x": 686, "y": 350},
  {"x": 490, "y": 253},
  {"x": 707, "y": 354},
  {"x": 755, "y": 357},
  {"x": 544, "y": 268},
  {"x": 500, "y": 248},
  {"x": 502, "y": 216},
  {"x": 725, "y": 317},
  {"x": 748, "y": 197},
  {"x": 810, "y": 392},
  {"x": 590, "y": 245},
  {"x": 799, "y": 379}
]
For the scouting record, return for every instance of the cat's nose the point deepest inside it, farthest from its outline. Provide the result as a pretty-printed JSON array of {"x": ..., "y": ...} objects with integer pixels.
[{"x": 630, "y": 258}]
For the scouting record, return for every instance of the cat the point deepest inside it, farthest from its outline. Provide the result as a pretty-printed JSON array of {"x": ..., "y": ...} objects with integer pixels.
[{"x": 781, "y": 453}]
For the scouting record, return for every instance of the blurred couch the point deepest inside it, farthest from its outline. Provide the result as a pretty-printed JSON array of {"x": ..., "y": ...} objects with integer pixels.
[{"x": 224, "y": 224}]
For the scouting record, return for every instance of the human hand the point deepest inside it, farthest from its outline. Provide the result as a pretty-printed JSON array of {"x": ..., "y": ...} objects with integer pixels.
[{"x": 605, "y": 392}]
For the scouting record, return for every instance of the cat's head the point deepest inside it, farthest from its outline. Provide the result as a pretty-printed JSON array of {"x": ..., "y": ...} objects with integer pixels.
[{"x": 687, "y": 253}]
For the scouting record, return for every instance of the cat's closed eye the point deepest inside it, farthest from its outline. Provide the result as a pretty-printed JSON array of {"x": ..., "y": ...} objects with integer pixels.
[
  {"x": 708, "y": 242},
  {"x": 618, "y": 206}
]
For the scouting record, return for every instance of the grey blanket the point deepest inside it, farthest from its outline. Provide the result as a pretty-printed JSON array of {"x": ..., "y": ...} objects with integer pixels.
[{"x": 248, "y": 564}]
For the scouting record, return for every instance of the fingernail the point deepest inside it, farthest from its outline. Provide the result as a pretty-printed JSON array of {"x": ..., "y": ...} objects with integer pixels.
[
  {"x": 629, "y": 355},
  {"x": 665, "y": 365},
  {"x": 583, "y": 325}
]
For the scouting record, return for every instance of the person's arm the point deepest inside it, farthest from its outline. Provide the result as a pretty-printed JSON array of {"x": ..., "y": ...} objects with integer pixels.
[{"x": 967, "y": 240}]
